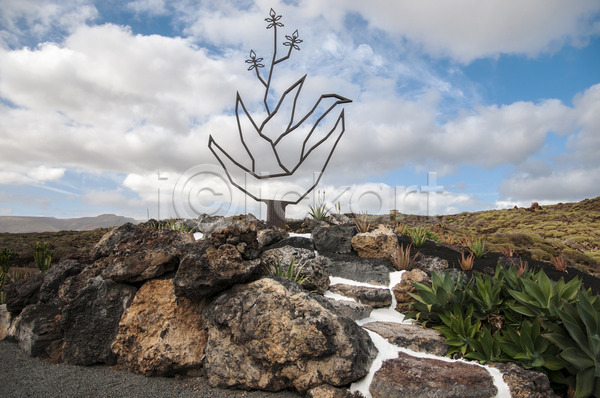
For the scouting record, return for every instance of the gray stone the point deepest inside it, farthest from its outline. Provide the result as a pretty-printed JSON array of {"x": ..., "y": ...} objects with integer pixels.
[
  {"x": 368, "y": 270},
  {"x": 350, "y": 309},
  {"x": 375, "y": 297},
  {"x": 23, "y": 292},
  {"x": 36, "y": 328},
  {"x": 299, "y": 242},
  {"x": 313, "y": 267},
  {"x": 207, "y": 270},
  {"x": 270, "y": 236},
  {"x": 334, "y": 239},
  {"x": 411, "y": 377},
  {"x": 340, "y": 219},
  {"x": 55, "y": 277},
  {"x": 429, "y": 264},
  {"x": 142, "y": 253},
  {"x": 272, "y": 335},
  {"x": 413, "y": 337},
  {"x": 91, "y": 321}
]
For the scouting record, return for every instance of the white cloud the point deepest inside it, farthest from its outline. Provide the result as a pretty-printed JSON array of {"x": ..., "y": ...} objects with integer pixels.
[
  {"x": 36, "y": 175},
  {"x": 36, "y": 18},
  {"x": 152, "y": 7}
]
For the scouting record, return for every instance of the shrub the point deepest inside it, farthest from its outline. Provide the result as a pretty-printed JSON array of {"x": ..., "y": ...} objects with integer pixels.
[
  {"x": 560, "y": 263},
  {"x": 319, "y": 211},
  {"x": 5, "y": 264},
  {"x": 42, "y": 256},
  {"x": 476, "y": 246}
]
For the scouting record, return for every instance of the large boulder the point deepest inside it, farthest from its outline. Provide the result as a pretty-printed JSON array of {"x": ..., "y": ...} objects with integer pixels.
[
  {"x": 55, "y": 277},
  {"x": 524, "y": 383},
  {"x": 373, "y": 296},
  {"x": 272, "y": 335},
  {"x": 36, "y": 328},
  {"x": 207, "y": 270},
  {"x": 22, "y": 293},
  {"x": 160, "y": 334},
  {"x": 411, "y": 377},
  {"x": 142, "y": 253},
  {"x": 413, "y": 337},
  {"x": 90, "y": 322},
  {"x": 313, "y": 267},
  {"x": 299, "y": 242},
  {"x": 334, "y": 239},
  {"x": 380, "y": 243},
  {"x": 270, "y": 236}
]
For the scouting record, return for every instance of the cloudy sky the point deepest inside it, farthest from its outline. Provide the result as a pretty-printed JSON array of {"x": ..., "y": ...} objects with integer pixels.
[{"x": 107, "y": 106}]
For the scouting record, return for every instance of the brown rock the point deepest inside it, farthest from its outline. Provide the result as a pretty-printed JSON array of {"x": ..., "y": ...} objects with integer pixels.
[
  {"x": 327, "y": 391},
  {"x": 23, "y": 293},
  {"x": 524, "y": 383},
  {"x": 141, "y": 253},
  {"x": 408, "y": 376},
  {"x": 273, "y": 335},
  {"x": 350, "y": 309},
  {"x": 380, "y": 243},
  {"x": 241, "y": 234},
  {"x": 413, "y": 337},
  {"x": 160, "y": 334},
  {"x": 4, "y": 321},
  {"x": 401, "y": 290},
  {"x": 373, "y": 296}
]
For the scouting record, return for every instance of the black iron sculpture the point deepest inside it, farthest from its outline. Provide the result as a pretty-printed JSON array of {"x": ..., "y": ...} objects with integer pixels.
[{"x": 250, "y": 130}]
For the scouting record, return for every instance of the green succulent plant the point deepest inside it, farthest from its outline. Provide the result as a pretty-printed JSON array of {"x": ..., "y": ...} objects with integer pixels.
[
  {"x": 579, "y": 341},
  {"x": 42, "y": 256},
  {"x": 460, "y": 329},
  {"x": 487, "y": 348},
  {"x": 442, "y": 295},
  {"x": 486, "y": 295},
  {"x": 291, "y": 271},
  {"x": 418, "y": 236}
]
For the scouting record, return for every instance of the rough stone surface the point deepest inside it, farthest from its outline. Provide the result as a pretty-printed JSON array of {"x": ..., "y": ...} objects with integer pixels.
[
  {"x": 294, "y": 241},
  {"x": 160, "y": 334},
  {"x": 142, "y": 253},
  {"x": 207, "y": 270},
  {"x": 408, "y": 376},
  {"x": 36, "y": 328},
  {"x": 4, "y": 321},
  {"x": 413, "y": 337},
  {"x": 55, "y": 277},
  {"x": 375, "y": 297},
  {"x": 207, "y": 223},
  {"x": 270, "y": 236},
  {"x": 309, "y": 223},
  {"x": 272, "y": 335},
  {"x": 375, "y": 271},
  {"x": 23, "y": 293},
  {"x": 429, "y": 264},
  {"x": 334, "y": 239},
  {"x": 111, "y": 239},
  {"x": 327, "y": 391},
  {"x": 524, "y": 383},
  {"x": 401, "y": 290},
  {"x": 91, "y": 321},
  {"x": 350, "y": 309},
  {"x": 339, "y": 219},
  {"x": 73, "y": 285},
  {"x": 241, "y": 234},
  {"x": 380, "y": 243},
  {"x": 314, "y": 267}
]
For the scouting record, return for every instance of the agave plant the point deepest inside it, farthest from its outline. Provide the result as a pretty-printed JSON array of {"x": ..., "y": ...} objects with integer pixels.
[
  {"x": 275, "y": 143},
  {"x": 460, "y": 329},
  {"x": 579, "y": 341}
]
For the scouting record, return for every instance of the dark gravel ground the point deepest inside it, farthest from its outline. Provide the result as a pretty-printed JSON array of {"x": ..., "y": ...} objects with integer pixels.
[{"x": 23, "y": 376}]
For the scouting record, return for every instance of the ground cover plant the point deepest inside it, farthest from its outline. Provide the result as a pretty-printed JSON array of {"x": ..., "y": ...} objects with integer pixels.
[{"x": 519, "y": 316}]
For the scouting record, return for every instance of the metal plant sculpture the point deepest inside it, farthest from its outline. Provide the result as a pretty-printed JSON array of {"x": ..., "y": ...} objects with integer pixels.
[{"x": 279, "y": 131}]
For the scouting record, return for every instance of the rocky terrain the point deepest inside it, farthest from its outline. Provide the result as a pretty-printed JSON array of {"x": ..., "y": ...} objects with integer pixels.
[{"x": 156, "y": 302}]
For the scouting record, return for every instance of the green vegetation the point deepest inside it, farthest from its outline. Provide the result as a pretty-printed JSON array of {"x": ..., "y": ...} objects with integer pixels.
[
  {"x": 291, "y": 271},
  {"x": 171, "y": 224},
  {"x": 517, "y": 316},
  {"x": 402, "y": 259},
  {"x": 42, "y": 256},
  {"x": 362, "y": 222},
  {"x": 319, "y": 211}
]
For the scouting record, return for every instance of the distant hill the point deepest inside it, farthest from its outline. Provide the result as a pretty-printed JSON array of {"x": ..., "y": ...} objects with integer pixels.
[{"x": 50, "y": 224}]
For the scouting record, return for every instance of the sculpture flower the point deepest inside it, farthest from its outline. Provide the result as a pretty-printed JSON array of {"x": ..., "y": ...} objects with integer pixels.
[{"x": 281, "y": 137}]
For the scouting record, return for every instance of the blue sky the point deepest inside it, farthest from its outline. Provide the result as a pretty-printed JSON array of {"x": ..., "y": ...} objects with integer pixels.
[{"x": 107, "y": 106}]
